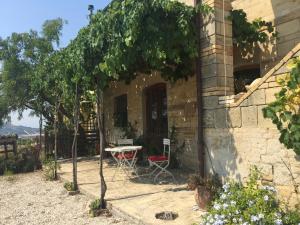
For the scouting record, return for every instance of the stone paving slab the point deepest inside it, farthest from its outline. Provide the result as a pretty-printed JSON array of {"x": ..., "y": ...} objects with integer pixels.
[{"x": 140, "y": 199}]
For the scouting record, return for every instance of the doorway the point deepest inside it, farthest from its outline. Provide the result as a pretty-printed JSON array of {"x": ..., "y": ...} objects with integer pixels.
[{"x": 156, "y": 127}]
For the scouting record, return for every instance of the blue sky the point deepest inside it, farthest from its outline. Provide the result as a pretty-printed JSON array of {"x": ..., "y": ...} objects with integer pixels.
[{"x": 23, "y": 15}]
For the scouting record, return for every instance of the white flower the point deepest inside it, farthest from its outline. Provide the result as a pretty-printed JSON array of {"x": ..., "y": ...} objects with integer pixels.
[
  {"x": 278, "y": 222},
  {"x": 254, "y": 218},
  {"x": 217, "y": 206},
  {"x": 225, "y": 205},
  {"x": 219, "y": 222},
  {"x": 266, "y": 197},
  {"x": 260, "y": 216},
  {"x": 226, "y": 187},
  {"x": 234, "y": 220},
  {"x": 278, "y": 215},
  {"x": 250, "y": 203},
  {"x": 223, "y": 196},
  {"x": 269, "y": 188},
  {"x": 233, "y": 202}
]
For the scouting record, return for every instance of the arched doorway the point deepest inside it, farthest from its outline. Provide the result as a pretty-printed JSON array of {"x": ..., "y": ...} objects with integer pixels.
[{"x": 156, "y": 115}]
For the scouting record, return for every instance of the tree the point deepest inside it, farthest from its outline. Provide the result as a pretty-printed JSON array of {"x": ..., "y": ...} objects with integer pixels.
[{"x": 22, "y": 56}]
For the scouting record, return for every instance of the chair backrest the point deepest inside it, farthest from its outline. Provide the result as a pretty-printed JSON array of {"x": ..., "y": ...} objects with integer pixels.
[
  {"x": 125, "y": 142},
  {"x": 167, "y": 147}
]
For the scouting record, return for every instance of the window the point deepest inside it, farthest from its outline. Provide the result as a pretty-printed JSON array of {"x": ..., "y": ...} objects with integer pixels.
[
  {"x": 244, "y": 77},
  {"x": 120, "y": 112}
]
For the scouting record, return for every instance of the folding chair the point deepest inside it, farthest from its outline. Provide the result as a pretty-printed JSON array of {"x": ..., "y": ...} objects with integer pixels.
[
  {"x": 161, "y": 162},
  {"x": 126, "y": 155},
  {"x": 125, "y": 160}
]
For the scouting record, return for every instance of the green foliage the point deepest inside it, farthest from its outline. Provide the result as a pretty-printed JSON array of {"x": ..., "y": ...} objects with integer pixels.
[
  {"x": 127, "y": 38},
  {"x": 95, "y": 206},
  {"x": 140, "y": 37},
  {"x": 49, "y": 169},
  {"x": 211, "y": 183},
  {"x": 24, "y": 162},
  {"x": 69, "y": 186},
  {"x": 177, "y": 149},
  {"x": 52, "y": 30},
  {"x": 8, "y": 173},
  {"x": 284, "y": 111},
  {"x": 249, "y": 204},
  {"x": 130, "y": 131},
  {"x": 247, "y": 33},
  {"x": 24, "y": 82}
]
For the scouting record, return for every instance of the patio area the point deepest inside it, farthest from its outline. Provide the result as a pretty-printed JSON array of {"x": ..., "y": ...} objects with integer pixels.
[{"x": 139, "y": 199}]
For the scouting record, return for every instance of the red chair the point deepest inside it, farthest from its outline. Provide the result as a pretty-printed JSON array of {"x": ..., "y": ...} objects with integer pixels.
[{"x": 161, "y": 162}]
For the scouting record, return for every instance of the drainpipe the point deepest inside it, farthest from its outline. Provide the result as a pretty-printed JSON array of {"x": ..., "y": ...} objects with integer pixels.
[{"x": 200, "y": 147}]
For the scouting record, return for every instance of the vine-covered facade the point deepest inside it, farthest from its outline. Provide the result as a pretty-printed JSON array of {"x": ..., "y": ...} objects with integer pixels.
[{"x": 236, "y": 135}]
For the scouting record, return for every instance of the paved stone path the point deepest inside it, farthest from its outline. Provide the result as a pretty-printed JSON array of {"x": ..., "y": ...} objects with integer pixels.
[{"x": 138, "y": 199}]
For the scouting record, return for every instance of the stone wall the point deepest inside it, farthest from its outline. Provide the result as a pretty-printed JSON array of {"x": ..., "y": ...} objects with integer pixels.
[
  {"x": 285, "y": 15},
  {"x": 181, "y": 98},
  {"x": 238, "y": 136}
]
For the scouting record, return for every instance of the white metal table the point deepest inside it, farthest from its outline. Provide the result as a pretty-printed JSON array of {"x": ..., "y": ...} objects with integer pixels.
[{"x": 127, "y": 164}]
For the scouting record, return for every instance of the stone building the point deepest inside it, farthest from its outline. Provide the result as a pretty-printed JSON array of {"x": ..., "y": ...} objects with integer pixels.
[{"x": 236, "y": 135}]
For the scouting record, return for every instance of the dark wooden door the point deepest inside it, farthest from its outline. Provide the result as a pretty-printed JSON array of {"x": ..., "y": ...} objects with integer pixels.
[{"x": 156, "y": 116}]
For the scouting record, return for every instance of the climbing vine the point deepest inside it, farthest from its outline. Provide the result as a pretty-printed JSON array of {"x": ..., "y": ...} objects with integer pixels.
[
  {"x": 247, "y": 33},
  {"x": 145, "y": 36},
  {"x": 284, "y": 111}
]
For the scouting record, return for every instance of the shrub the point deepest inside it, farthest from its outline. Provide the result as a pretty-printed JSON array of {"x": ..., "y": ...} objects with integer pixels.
[
  {"x": 49, "y": 169},
  {"x": 248, "y": 204},
  {"x": 96, "y": 207},
  {"x": 69, "y": 186},
  {"x": 24, "y": 162},
  {"x": 8, "y": 173},
  {"x": 212, "y": 183}
]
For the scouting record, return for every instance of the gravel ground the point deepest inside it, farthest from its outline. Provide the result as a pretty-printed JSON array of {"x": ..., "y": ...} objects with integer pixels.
[{"x": 29, "y": 199}]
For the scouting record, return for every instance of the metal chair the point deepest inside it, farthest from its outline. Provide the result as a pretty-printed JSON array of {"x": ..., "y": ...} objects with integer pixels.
[
  {"x": 126, "y": 160},
  {"x": 122, "y": 142},
  {"x": 161, "y": 162}
]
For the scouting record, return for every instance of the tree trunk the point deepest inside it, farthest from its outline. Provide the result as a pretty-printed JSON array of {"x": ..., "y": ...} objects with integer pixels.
[
  {"x": 74, "y": 145},
  {"x": 103, "y": 186},
  {"x": 55, "y": 138},
  {"x": 40, "y": 143}
]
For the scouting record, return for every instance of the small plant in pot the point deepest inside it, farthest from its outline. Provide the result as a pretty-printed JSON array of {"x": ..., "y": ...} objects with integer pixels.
[
  {"x": 70, "y": 187},
  {"x": 205, "y": 188}
]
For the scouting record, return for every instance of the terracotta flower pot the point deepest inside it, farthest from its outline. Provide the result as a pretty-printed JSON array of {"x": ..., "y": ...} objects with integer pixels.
[{"x": 202, "y": 197}]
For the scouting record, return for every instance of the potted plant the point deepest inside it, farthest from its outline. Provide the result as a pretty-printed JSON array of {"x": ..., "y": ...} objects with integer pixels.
[{"x": 205, "y": 188}]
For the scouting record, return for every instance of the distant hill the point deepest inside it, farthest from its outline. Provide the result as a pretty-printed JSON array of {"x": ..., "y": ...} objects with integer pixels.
[{"x": 19, "y": 130}]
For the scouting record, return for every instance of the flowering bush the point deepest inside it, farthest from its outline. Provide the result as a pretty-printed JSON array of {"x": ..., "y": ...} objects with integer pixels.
[{"x": 247, "y": 205}]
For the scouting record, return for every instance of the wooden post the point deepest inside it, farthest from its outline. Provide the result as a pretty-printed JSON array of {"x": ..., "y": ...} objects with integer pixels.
[
  {"x": 15, "y": 147},
  {"x": 200, "y": 148},
  {"x": 5, "y": 151}
]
